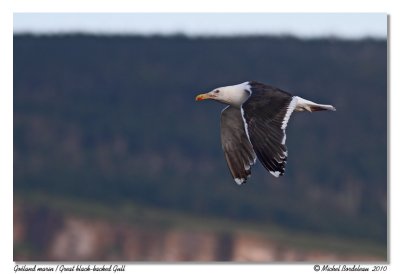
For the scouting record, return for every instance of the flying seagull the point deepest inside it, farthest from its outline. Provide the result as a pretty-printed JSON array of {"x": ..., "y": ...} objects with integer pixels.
[{"x": 253, "y": 125}]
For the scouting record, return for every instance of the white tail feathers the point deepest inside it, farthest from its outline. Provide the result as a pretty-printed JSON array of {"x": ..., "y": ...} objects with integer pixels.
[{"x": 303, "y": 104}]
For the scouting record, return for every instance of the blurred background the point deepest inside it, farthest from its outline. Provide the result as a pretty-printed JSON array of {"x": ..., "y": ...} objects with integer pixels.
[{"x": 114, "y": 160}]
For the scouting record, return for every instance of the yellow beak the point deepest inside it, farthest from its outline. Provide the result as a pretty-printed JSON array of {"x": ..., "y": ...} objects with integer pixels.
[{"x": 204, "y": 96}]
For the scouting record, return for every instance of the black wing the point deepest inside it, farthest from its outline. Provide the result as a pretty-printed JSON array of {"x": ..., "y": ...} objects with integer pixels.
[
  {"x": 239, "y": 153},
  {"x": 266, "y": 114}
]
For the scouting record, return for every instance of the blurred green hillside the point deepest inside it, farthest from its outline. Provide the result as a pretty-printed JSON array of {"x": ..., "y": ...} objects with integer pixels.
[{"x": 112, "y": 119}]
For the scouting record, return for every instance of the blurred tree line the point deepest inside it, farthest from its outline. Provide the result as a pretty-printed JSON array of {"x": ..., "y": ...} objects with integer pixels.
[{"x": 113, "y": 119}]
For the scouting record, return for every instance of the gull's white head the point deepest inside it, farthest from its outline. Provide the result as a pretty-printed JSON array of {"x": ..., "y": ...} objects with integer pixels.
[{"x": 232, "y": 95}]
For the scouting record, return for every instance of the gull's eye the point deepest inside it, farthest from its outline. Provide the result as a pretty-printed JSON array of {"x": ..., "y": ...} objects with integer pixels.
[{"x": 217, "y": 91}]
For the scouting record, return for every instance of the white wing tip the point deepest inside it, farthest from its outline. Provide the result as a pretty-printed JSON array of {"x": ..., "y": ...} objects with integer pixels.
[
  {"x": 331, "y": 108},
  {"x": 239, "y": 181},
  {"x": 275, "y": 173}
]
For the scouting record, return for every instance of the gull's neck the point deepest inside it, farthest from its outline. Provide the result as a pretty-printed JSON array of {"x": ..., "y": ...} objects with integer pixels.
[{"x": 238, "y": 94}]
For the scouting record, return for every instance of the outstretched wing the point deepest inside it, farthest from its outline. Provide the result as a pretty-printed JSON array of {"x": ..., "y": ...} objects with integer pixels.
[
  {"x": 239, "y": 153},
  {"x": 266, "y": 114}
]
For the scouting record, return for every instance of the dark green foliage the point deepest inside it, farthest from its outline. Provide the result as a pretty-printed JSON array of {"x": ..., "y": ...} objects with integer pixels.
[{"x": 113, "y": 119}]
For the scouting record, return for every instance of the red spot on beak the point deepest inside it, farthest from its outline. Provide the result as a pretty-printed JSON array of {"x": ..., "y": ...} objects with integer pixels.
[{"x": 201, "y": 97}]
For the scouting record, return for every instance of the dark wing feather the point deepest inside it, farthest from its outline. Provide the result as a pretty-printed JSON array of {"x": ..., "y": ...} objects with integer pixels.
[
  {"x": 239, "y": 153},
  {"x": 266, "y": 114}
]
